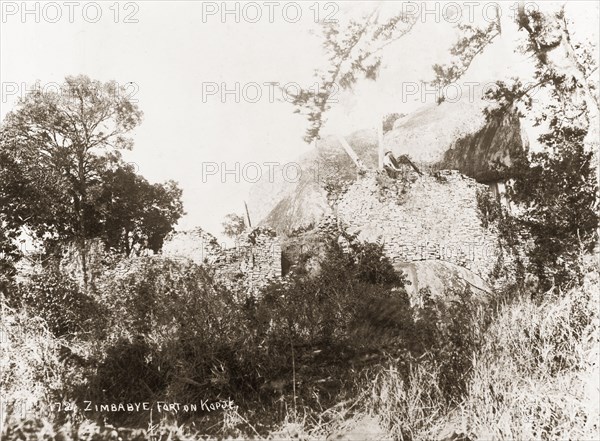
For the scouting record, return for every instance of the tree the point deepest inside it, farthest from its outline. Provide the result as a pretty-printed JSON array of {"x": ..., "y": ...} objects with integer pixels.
[
  {"x": 568, "y": 66},
  {"x": 472, "y": 43},
  {"x": 234, "y": 225},
  {"x": 26, "y": 181},
  {"x": 557, "y": 192},
  {"x": 10, "y": 181},
  {"x": 67, "y": 136},
  {"x": 353, "y": 52},
  {"x": 563, "y": 69},
  {"x": 137, "y": 215},
  {"x": 557, "y": 189}
]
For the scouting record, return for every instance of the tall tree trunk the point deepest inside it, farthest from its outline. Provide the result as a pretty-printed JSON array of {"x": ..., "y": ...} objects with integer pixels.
[{"x": 82, "y": 220}]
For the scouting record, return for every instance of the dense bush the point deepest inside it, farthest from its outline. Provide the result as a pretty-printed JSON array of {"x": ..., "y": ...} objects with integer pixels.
[
  {"x": 169, "y": 332},
  {"x": 147, "y": 295},
  {"x": 59, "y": 301},
  {"x": 9, "y": 255},
  {"x": 165, "y": 319},
  {"x": 172, "y": 333},
  {"x": 130, "y": 372},
  {"x": 557, "y": 194},
  {"x": 321, "y": 323},
  {"x": 166, "y": 331},
  {"x": 532, "y": 375},
  {"x": 451, "y": 330}
]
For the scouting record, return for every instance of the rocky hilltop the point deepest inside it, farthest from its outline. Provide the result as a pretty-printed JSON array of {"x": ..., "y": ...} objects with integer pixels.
[
  {"x": 451, "y": 135},
  {"x": 429, "y": 220},
  {"x": 289, "y": 204}
]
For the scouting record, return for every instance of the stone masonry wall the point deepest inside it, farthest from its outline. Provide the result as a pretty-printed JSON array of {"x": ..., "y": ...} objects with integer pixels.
[
  {"x": 197, "y": 245},
  {"x": 421, "y": 217},
  {"x": 254, "y": 260}
]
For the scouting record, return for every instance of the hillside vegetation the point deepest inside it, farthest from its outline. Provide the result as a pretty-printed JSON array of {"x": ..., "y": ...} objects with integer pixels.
[{"x": 342, "y": 354}]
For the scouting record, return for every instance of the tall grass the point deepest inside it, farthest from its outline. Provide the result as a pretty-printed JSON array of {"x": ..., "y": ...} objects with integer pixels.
[
  {"x": 31, "y": 369},
  {"x": 535, "y": 377}
]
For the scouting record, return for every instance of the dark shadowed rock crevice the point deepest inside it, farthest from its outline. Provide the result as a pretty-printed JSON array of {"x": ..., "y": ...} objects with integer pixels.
[{"x": 480, "y": 155}]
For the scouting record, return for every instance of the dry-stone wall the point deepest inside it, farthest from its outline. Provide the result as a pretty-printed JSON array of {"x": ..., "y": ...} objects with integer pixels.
[
  {"x": 254, "y": 260},
  {"x": 421, "y": 217},
  {"x": 197, "y": 245}
]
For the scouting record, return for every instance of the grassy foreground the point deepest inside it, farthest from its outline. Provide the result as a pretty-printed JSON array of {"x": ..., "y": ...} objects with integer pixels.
[{"x": 534, "y": 377}]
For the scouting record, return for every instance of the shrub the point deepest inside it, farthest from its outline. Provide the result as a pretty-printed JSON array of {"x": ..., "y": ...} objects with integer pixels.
[
  {"x": 9, "y": 256},
  {"x": 57, "y": 299},
  {"x": 145, "y": 296},
  {"x": 451, "y": 329},
  {"x": 488, "y": 208},
  {"x": 557, "y": 191},
  {"x": 301, "y": 341},
  {"x": 324, "y": 307},
  {"x": 131, "y": 372},
  {"x": 299, "y": 334},
  {"x": 532, "y": 372}
]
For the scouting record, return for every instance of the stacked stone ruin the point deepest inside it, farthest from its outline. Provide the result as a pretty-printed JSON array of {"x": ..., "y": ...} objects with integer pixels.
[
  {"x": 254, "y": 260},
  {"x": 433, "y": 216},
  {"x": 251, "y": 263},
  {"x": 417, "y": 217},
  {"x": 197, "y": 245}
]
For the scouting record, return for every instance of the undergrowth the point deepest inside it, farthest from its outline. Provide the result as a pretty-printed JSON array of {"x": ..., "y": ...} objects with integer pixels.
[{"x": 340, "y": 354}]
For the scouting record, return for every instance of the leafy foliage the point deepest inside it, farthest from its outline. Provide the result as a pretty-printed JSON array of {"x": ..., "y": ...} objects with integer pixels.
[
  {"x": 489, "y": 208},
  {"x": 557, "y": 189},
  {"x": 451, "y": 329},
  {"x": 9, "y": 255},
  {"x": 234, "y": 225},
  {"x": 137, "y": 215},
  {"x": 130, "y": 372},
  {"x": 473, "y": 41},
  {"x": 302, "y": 341},
  {"x": 220, "y": 346},
  {"x": 66, "y": 137},
  {"x": 60, "y": 302},
  {"x": 62, "y": 177},
  {"x": 353, "y": 51}
]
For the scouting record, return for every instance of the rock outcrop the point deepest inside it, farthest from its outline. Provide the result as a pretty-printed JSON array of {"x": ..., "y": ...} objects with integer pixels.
[
  {"x": 458, "y": 136},
  {"x": 448, "y": 136},
  {"x": 286, "y": 204},
  {"x": 478, "y": 155},
  {"x": 440, "y": 277}
]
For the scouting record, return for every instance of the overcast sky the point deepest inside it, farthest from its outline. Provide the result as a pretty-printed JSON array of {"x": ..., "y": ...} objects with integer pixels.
[{"x": 175, "y": 53}]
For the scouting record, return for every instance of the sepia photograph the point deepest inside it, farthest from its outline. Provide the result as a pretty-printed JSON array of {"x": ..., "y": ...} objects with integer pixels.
[{"x": 299, "y": 220}]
